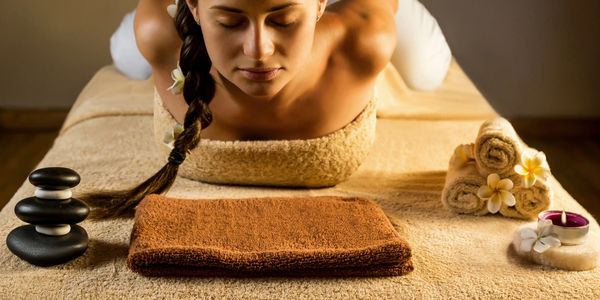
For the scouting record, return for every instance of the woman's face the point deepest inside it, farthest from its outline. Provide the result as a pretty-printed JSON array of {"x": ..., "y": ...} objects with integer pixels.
[{"x": 258, "y": 45}]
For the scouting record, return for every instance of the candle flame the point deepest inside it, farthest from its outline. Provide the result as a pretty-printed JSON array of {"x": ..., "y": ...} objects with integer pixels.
[{"x": 563, "y": 218}]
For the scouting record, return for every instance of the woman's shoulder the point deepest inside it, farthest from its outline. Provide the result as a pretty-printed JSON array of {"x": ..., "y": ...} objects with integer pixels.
[
  {"x": 367, "y": 32},
  {"x": 155, "y": 32}
]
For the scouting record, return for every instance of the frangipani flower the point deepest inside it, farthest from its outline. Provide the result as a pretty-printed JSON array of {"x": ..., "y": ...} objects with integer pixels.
[
  {"x": 465, "y": 152},
  {"x": 533, "y": 167},
  {"x": 539, "y": 240},
  {"x": 172, "y": 9},
  {"x": 496, "y": 192},
  {"x": 178, "y": 79},
  {"x": 172, "y": 135}
]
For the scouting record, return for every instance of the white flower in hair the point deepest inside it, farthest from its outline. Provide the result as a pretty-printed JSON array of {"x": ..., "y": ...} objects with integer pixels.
[
  {"x": 172, "y": 9},
  {"x": 538, "y": 240},
  {"x": 171, "y": 135},
  {"x": 178, "y": 78}
]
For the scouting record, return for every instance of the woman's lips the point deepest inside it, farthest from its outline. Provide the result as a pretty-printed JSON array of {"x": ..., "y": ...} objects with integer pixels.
[{"x": 260, "y": 74}]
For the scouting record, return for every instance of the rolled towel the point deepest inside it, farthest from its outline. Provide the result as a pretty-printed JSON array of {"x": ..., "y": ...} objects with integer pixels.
[
  {"x": 498, "y": 148},
  {"x": 464, "y": 179},
  {"x": 529, "y": 201},
  {"x": 462, "y": 183},
  {"x": 299, "y": 236}
]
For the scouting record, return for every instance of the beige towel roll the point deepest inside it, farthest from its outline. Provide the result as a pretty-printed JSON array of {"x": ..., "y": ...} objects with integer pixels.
[
  {"x": 529, "y": 201},
  {"x": 464, "y": 179},
  {"x": 462, "y": 182},
  {"x": 498, "y": 148}
]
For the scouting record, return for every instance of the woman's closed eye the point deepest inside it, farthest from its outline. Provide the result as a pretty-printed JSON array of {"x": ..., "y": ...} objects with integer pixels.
[
  {"x": 230, "y": 23},
  {"x": 283, "y": 24},
  {"x": 284, "y": 20}
]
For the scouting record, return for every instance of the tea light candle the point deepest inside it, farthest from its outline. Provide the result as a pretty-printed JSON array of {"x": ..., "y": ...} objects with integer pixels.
[{"x": 570, "y": 228}]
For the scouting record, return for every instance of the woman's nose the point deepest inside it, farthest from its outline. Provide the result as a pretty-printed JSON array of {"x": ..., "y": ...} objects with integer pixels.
[{"x": 258, "y": 44}]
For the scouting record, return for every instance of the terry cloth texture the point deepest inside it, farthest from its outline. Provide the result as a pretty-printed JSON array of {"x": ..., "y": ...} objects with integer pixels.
[
  {"x": 301, "y": 236},
  {"x": 463, "y": 180},
  {"x": 461, "y": 186},
  {"x": 498, "y": 148},
  {"x": 317, "y": 162},
  {"x": 108, "y": 140},
  {"x": 529, "y": 202}
]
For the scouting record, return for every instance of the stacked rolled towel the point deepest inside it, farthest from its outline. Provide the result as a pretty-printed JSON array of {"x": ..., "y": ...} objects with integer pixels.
[
  {"x": 529, "y": 201},
  {"x": 462, "y": 183},
  {"x": 497, "y": 150},
  {"x": 302, "y": 236}
]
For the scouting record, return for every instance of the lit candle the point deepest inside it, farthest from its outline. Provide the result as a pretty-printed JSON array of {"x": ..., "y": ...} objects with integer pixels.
[{"x": 570, "y": 228}]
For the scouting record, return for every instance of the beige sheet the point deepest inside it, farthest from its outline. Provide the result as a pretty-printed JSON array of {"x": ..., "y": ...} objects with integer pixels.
[{"x": 108, "y": 140}]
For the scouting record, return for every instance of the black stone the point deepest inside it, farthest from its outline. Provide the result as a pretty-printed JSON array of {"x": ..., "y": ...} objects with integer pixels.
[
  {"x": 41, "y": 211},
  {"x": 45, "y": 250},
  {"x": 54, "y": 178}
]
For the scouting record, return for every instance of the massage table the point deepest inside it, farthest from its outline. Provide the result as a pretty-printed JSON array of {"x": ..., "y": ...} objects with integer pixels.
[{"x": 108, "y": 139}]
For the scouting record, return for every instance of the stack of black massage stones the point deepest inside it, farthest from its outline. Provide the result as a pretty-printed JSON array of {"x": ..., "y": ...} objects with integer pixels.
[{"x": 53, "y": 238}]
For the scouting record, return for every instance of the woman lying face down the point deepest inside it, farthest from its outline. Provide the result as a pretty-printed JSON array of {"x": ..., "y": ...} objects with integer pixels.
[
  {"x": 258, "y": 47},
  {"x": 258, "y": 70}
]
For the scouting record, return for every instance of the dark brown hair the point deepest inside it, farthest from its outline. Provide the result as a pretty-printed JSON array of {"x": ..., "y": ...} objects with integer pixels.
[{"x": 198, "y": 91}]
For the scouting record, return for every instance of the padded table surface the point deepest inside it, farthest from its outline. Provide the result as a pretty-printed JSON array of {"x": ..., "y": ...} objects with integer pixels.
[{"x": 108, "y": 139}]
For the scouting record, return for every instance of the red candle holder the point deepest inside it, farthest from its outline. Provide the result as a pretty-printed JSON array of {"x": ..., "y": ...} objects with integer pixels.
[{"x": 570, "y": 228}]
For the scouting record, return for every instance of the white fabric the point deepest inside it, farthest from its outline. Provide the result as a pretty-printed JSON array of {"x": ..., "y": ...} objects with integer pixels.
[
  {"x": 125, "y": 54},
  {"x": 422, "y": 55}
]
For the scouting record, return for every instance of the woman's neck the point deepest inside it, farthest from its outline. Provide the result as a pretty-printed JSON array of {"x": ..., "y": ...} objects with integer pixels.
[{"x": 272, "y": 107}]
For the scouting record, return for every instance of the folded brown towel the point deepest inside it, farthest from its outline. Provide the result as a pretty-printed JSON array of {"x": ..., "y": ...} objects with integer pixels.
[{"x": 303, "y": 236}]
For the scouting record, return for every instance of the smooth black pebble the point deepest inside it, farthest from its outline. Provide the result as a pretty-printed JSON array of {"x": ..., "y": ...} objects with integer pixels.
[
  {"x": 45, "y": 250},
  {"x": 54, "y": 178},
  {"x": 41, "y": 211}
]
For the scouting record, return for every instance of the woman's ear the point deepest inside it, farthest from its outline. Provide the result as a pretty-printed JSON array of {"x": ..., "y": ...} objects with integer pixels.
[{"x": 321, "y": 5}]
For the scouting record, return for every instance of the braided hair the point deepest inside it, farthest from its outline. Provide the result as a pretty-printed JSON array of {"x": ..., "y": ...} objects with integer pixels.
[{"x": 198, "y": 92}]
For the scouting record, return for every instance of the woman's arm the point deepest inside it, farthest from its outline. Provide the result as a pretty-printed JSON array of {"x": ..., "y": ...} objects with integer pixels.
[
  {"x": 393, "y": 3},
  {"x": 422, "y": 55},
  {"x": 369, "y": 36},
  {"x": 160, "y": 44},
  {"x": 155, "y": 32}
]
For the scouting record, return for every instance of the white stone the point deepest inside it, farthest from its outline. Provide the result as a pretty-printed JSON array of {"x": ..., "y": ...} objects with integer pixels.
[
  {"x": 573, "y": 258},
  {"x": 53, "y": 194},
  {"x": 56, "y": 230}
]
